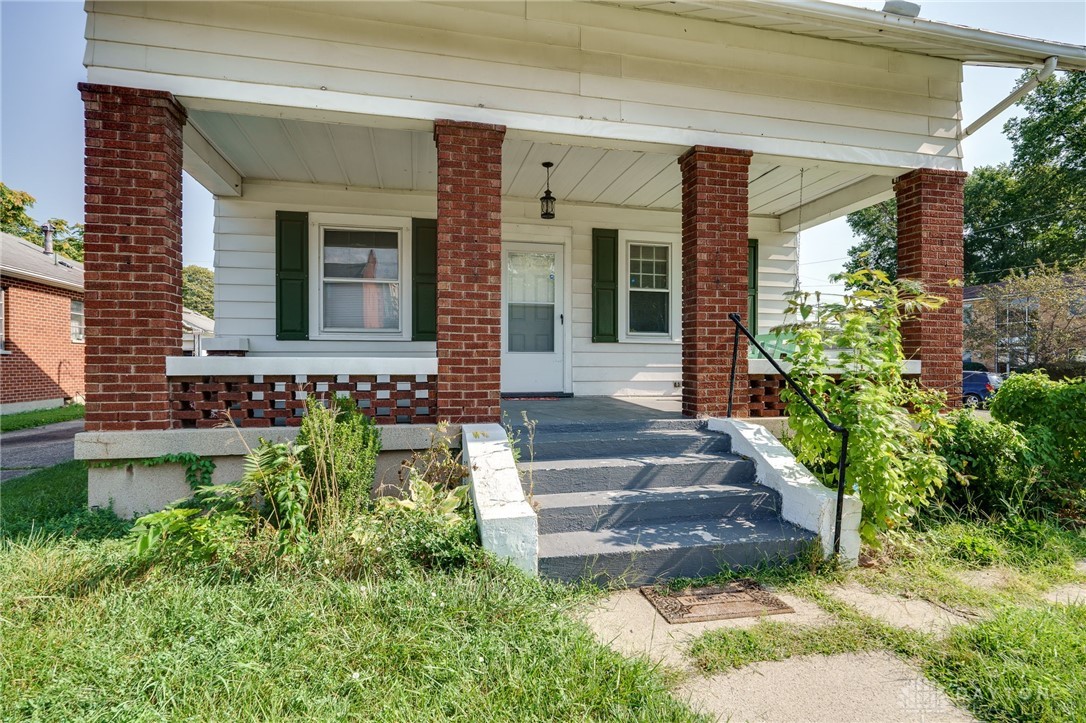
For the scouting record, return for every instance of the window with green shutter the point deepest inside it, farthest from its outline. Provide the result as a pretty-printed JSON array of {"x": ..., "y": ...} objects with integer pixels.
[
  {"x": 604, "y": 285},
  {"x": 752, "y": 285},
  {"x": 424, "y": 279},
  {"x": 291, "y": 275}
]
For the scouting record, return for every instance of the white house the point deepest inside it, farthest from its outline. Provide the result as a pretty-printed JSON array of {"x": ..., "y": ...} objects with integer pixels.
[{"x": 378, "y": 168}]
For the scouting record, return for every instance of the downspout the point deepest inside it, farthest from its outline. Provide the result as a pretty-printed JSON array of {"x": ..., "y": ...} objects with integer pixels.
[{"x": 1046, "y": 70}]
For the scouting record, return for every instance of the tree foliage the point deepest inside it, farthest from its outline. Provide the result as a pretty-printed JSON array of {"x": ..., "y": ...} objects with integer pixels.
[
  {"x": 1036, "y": 319},
  {"x": 1029, "y": 211},
  {"x": 198, "y": 290},
  {"x": 16, "y": 220}
]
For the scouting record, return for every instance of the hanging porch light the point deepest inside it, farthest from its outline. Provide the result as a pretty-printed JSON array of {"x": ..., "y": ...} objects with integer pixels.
[{"x": 546, "y": 201}]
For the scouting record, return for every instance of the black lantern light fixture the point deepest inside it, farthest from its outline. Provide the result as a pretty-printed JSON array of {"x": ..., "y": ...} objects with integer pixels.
[{"x": 546, "y": 201}]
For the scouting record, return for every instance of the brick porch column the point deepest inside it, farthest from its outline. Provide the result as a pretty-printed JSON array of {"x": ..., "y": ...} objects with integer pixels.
[
  {"x": 469, "y": 234},
  {"x": 929, "y": 249},
  {"x": 132, "y": 266},
  {"x": 714, "y": 267}
]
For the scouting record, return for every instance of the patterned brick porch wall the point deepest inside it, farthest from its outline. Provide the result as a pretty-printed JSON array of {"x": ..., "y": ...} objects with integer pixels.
[
  {"x": 280, "y": 400},
  {"x": 765, "y": 395}
]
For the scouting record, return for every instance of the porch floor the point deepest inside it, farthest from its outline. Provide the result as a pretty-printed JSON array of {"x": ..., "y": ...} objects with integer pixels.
[{"x": 592, "y": 409}]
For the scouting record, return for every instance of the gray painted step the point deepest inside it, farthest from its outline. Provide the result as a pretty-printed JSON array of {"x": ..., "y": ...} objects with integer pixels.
[
  {"x": 644, "y": 554},
  {"x": 598, "y": 427},
  {"x": 669, "y": 443},
  {"x": 634, "y": 472},
  {"x": 620, "y": 508}
]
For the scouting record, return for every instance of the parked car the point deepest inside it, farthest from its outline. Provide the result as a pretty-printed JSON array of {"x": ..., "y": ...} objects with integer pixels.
[{"x": 978, "y": 386}]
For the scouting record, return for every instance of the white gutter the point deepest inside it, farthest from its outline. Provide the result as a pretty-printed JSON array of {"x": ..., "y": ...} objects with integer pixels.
[
  {"x": 1030, "y": 50},
  {"x": 40, "y": 279},
  {"x": 1014, "y": 97}
]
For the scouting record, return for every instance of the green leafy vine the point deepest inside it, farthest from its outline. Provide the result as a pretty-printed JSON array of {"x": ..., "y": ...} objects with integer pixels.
[{"x": 198, "y": 470}]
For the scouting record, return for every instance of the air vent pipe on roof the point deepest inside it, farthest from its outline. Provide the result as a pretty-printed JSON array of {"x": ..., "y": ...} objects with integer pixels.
[
  {"x": 47, "y": 232},
  {"x": 902, "y": 8}
]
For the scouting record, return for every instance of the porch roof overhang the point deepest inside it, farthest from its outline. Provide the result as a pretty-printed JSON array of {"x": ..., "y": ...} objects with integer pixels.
[
  {"x": 835, "y": 21},
  {"x": 224, "y": 147}
]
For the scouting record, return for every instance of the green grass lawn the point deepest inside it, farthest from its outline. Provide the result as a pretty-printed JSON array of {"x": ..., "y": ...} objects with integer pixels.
[
  {"x": 88, "y": 634},
  {"x": 39, "y": 418}
]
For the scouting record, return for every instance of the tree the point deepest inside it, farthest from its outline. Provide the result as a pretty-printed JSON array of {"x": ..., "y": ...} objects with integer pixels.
[
  {"x": 198, "y": 290},
  {"x": 1032, "y": 319},
  {"x": 1018, "y": 214},
  {"x": 15, "y": 219}
]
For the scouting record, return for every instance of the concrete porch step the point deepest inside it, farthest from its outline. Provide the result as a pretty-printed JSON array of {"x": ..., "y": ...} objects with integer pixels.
[
  {"x": 634, "y": 472},
  {"x": 644, "y": 554},
  {"x": 602, "y": 509},
  {"x": 623, "y": 442}
]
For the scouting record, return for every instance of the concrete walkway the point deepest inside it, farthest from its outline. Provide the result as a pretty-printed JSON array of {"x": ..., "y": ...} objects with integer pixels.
[{"x": 28, "y": 450}]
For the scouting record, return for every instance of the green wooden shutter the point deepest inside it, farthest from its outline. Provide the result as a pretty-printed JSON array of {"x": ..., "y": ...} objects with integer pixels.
[
  {"x": 604, "y": 285},
  {"x": 752, "y": 285},
  {"x": 291, "y": 275},
  {"x": 424, "y": 279}
]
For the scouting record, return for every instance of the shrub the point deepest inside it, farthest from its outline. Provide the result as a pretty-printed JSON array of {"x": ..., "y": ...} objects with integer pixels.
[
  {"x": 1052, "y": 416},
  {"x": 892, "y": 458},
  {"x": 339, "y": 448},
  {"x": 988, "y": 467}
]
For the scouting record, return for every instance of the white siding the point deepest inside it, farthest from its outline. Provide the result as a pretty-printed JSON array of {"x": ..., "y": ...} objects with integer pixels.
[
  {"x": 245, "y": 275},
  {"x": 572, "y": 68}
]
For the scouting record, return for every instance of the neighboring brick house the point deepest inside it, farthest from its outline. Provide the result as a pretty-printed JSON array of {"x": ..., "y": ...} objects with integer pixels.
[{"x": 41, "y": 327}]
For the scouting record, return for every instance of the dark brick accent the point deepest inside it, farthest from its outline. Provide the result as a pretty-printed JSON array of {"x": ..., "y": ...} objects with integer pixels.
[
  {"x": 929, "y": 249},
  {"x": 714, "y": 218},
  {"x": 280, "y": 401},
  {"x": 132, "y": 266},
  {"x": 469, "y": 230}
]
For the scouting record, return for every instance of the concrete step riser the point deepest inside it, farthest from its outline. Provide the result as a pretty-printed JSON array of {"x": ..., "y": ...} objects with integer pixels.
[
  {"x": 591, "y": 479},
  {"x": 749, "y": 505},
  {"x": 631, "y": 569},
  {"x": 577, "y": 447}
]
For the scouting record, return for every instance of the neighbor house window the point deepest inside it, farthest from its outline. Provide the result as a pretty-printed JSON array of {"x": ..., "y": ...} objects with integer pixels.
[
  {"x": 79, "y": 327},
  {"x": 360, "y": 280},
  {"x": 650, "y": 289},
  {"x": 3, "y": 318}
]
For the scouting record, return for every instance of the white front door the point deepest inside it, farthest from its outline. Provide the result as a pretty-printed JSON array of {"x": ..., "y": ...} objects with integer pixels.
[{"x": 533, "y": 317}]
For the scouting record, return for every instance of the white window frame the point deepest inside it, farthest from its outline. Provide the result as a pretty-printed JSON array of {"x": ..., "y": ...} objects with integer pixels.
[
  {"x": 3, "y": 320},
  {"x": 318, "y": 222},
  {"x": 673, "y": 242},
  {"x": 82, "y": 316}
]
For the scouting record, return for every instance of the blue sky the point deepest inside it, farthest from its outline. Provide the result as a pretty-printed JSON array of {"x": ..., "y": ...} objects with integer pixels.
[{"x": 41, "y": 129}]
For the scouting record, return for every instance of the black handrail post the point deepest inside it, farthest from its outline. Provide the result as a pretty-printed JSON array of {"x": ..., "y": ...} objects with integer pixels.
[
  {"x": 842, "y": 459},
  {"x": 735, "y": 361},
  {"x": 842, "y": 465}
]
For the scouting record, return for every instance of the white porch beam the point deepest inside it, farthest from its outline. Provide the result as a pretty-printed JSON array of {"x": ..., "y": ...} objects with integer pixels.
[
  {"x": 207, "y": 165},
  {"x": 851, "y": 198}
]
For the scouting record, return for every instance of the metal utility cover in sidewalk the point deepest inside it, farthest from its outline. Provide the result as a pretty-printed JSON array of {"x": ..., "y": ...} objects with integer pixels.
[{"x": 736, "y": 599}]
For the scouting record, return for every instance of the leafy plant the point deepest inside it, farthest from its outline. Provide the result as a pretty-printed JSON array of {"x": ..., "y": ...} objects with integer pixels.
[
  {"x": 339, "y": 448},
  {"x": 437, "y": 465},
  {"x": 987, "y": 465},
  {"x": 1052, "y": 417},
  {"x": 892, "y": 457}
]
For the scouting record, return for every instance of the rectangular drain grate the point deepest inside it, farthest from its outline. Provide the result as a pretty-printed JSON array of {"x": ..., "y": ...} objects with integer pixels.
[{"x": 743, "y": 598}]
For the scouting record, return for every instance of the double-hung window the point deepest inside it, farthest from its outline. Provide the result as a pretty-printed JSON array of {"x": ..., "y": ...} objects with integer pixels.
[
  {"x": 361, "y": 274},
  {"x": 78, "y": 323},
  {"x": 649, "y": 286}
]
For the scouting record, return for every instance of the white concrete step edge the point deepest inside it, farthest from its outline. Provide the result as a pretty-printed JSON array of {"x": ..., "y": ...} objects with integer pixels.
[
  {"x": 507, "y": 523},
  {"x": 805, "y": 502}
]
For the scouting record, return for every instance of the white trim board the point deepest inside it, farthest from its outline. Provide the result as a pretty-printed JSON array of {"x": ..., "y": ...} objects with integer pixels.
[{"x": 189, "y": 366}]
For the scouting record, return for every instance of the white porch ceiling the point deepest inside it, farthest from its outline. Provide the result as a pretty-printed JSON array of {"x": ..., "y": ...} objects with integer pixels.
[{"x": 395, "y": 159}]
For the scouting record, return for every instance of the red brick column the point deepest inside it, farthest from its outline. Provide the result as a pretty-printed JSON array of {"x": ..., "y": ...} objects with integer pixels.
[
  {"x": 714, "y": 277},
  {"x": 469, "y": 234},
  {"x": 132, "y": 267},
  {"x": 929, "y": 249}
]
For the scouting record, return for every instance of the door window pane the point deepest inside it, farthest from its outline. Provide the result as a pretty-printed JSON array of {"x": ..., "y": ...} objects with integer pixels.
[
  {"x": 531, "y": 327},
  {"x": 529, "y": 277}
]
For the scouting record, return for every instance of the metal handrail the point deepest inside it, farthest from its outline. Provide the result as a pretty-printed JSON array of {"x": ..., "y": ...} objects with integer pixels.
[{"x": 842, "y": 458}]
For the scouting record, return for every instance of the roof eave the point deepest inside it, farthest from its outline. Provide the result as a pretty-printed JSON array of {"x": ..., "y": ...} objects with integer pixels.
[{"x": 39, "y": 278}]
